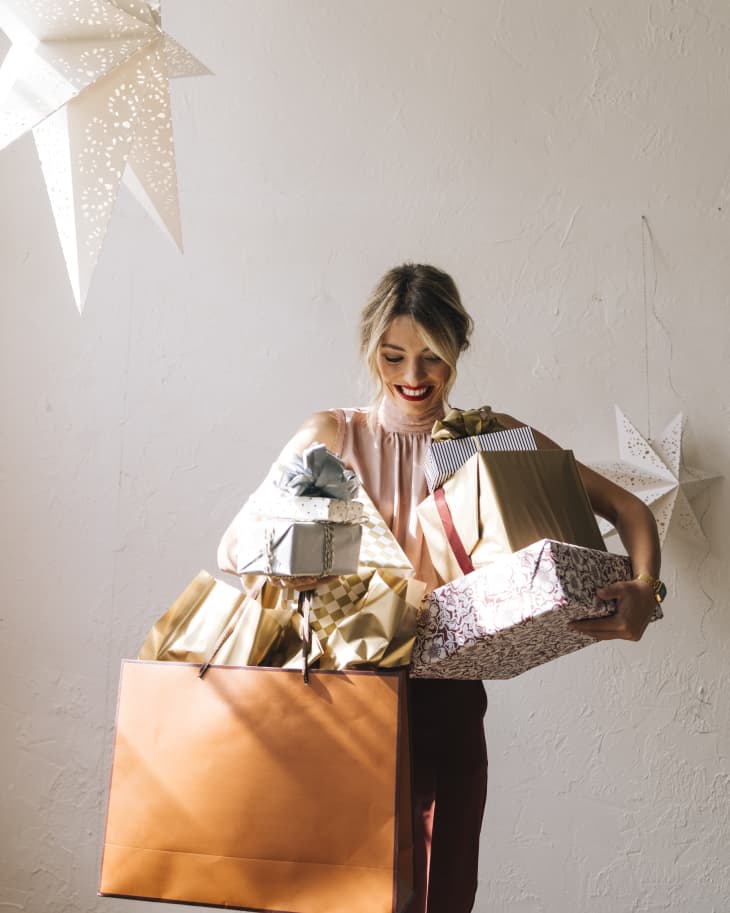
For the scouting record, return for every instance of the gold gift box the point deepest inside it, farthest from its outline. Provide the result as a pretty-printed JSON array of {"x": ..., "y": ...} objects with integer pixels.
[{"x": 502, "y": 501}]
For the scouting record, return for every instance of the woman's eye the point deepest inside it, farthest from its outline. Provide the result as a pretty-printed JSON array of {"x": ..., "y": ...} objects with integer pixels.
[
  {"x": 392, "y": 359},
  {"x": 432, "y": 358}
]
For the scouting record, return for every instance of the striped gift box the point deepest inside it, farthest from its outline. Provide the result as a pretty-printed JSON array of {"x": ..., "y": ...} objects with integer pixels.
[{"x": 443, "y": 458}]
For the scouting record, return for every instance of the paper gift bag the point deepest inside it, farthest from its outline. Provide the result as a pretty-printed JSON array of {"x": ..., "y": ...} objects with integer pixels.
[
  {"x": 499, "y": 502},
  {"x": 512, "y": 615},
  {"x": 248, "y": 789}
]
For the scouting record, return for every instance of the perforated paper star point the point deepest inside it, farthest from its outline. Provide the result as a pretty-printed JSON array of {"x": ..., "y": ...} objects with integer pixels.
[
  {"x": 655, "y": 472},
  {"x": 90, "y": 78}
]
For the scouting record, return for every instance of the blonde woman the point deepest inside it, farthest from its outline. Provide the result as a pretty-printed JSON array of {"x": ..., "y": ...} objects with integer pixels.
[{"x": 412, "y": 332}]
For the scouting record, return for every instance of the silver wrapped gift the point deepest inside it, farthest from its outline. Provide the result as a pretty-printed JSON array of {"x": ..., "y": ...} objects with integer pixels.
[
  {"x": 306, "y": 524},
  {"x": 299, "y": 549}
]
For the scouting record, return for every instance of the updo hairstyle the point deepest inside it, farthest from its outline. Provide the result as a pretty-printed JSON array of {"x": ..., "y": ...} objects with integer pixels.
[{"x": 432, "y": 299}]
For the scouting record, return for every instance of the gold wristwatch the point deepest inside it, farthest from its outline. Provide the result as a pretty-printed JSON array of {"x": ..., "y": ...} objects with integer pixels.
[{"x": 659, "y": 589}]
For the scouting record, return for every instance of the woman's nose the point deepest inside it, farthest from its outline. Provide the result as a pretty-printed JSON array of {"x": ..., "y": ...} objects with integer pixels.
[{"x": 415, "y": 373}]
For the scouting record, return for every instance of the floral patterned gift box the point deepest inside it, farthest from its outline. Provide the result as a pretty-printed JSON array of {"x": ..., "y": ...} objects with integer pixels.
[{"x": 512, "y": 615}]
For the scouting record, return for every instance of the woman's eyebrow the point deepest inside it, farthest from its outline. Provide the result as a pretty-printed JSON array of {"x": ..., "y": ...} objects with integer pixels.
[{"x": 389, "y": 345}]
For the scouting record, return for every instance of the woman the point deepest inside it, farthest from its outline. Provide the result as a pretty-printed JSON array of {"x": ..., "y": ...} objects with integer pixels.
[{"x": 412, "y": 332}]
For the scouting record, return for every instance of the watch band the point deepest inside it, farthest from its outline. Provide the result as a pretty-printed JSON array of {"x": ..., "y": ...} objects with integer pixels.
[{"x": 659, "y": 589}]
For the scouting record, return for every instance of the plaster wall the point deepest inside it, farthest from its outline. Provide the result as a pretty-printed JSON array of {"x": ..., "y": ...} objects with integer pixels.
[{"x": 518, "y": 146}]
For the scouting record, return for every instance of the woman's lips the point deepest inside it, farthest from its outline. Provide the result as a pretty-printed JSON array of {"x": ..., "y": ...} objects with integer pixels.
[{"x": 414, "y": 394}]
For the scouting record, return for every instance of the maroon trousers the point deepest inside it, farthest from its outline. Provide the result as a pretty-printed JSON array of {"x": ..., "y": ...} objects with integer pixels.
[{"x": 449, "y": 792}]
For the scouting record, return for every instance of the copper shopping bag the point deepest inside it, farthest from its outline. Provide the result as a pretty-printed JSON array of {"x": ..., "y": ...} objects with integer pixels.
[{"x": 250, "y": 789}]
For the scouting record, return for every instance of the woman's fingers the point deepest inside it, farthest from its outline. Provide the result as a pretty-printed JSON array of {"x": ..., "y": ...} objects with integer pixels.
[
  {"x": 611, "y": 628},
  {"x": 611, "y": 590},
  {"x": 634, "y": 608}
]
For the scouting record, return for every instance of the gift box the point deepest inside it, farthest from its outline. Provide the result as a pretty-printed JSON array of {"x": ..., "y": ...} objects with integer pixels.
[
  {"x": 278, "y": 504},
  {"x": 302, "y": 521},
  {"x": 380, "y": 548},
  {"x": 298, "y": 549},
  {"x": 501, "y": 501},
  {"x": 443, "y": 458},
  {"x": 512, "y": 614}
]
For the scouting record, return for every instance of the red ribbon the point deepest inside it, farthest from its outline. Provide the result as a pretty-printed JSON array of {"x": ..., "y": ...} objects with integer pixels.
[{"x": 457, "y": 546}]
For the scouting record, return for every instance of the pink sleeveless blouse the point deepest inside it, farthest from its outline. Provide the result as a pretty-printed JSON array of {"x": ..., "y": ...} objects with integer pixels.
[{"x": 388, "y": 459}]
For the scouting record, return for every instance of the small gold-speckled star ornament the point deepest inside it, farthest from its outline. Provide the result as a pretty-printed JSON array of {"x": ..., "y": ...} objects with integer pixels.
[
  {"x": 655, "y": 472},
  {"x": 90, "y": 78}
]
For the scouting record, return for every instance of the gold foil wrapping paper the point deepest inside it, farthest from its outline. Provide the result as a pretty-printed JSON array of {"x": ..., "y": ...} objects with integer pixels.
[
  {"x": 372, "y": 625},
  {"x": 502, "y": 501},
  {"x": 381, "y": 628},
  {"x": 251, "y": 630}
]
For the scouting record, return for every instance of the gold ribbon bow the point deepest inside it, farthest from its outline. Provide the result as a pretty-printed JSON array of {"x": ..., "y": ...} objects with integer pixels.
[{"x": 465, "y": 423}]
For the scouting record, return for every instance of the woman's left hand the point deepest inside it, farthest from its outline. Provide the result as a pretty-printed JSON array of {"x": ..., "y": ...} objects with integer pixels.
[{"x": 635, "y": 606}]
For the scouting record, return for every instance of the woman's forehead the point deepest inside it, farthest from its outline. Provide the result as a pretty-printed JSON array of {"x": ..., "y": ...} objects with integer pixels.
[{"x": 404, "y": 333}]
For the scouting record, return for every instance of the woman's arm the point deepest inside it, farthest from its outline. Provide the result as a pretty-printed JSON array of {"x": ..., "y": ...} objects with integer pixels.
[
  {"x": 635, "y": 524},
  {"x": 321, "y": 427}
]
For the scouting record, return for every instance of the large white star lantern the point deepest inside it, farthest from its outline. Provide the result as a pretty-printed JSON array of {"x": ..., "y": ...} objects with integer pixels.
[
  {"x": 90, "y": 78},
  {"x": 655, "y": 472}
]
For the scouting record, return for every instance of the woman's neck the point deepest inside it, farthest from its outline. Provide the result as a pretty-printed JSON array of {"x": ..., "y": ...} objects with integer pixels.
[{"x": 391, "y": 418}]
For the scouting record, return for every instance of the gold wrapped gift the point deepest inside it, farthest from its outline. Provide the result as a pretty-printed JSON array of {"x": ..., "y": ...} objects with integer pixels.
[
  {"x": 502, "y": 501},
  {"x": 377, "y": 630}
]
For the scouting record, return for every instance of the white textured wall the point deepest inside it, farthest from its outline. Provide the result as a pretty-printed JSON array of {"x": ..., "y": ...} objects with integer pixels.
[{"x": 515, "y": 144}]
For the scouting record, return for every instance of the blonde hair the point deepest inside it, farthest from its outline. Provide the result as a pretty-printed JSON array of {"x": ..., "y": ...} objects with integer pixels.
[{"x": 432, "y": 299}]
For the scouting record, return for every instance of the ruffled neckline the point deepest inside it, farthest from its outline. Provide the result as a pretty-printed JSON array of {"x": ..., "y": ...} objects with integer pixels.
[{"x": 390, "y": 418}]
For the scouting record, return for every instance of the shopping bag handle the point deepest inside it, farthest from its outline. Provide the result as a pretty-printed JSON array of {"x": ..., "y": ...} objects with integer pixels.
[
  {"x": 231, "y": 626},
  {"x": 304, "y": 605}
]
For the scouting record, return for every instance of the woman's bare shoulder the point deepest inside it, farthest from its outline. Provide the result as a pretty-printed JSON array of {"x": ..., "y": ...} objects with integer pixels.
[
  {"x": 321, "y": 427},
  {"x": 326, "y": 424}
]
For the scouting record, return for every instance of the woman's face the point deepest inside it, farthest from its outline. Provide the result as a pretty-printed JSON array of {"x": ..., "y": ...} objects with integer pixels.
[{"x": 414, "y": 377}]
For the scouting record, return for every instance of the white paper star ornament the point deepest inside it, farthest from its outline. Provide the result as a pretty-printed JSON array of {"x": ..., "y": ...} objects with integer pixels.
[
  {"x": 90, "y": 78},
  {"x": 655, "y": 472}
]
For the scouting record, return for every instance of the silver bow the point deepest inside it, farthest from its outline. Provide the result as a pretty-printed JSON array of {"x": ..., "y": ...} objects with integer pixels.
[{"x": 318, "y": 473}]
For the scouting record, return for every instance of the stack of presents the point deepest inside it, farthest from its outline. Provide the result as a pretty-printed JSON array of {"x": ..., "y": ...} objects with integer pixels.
[{"x": 261, "y": 757}]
